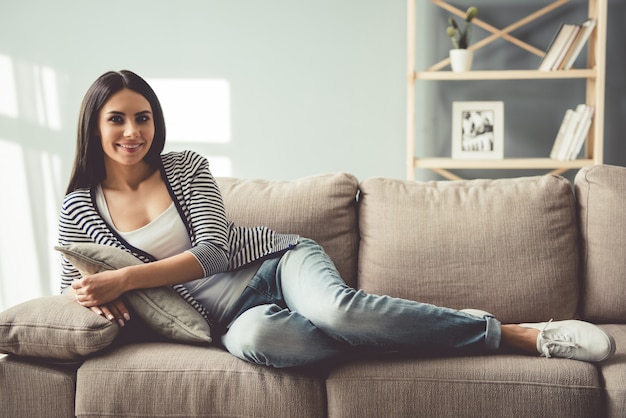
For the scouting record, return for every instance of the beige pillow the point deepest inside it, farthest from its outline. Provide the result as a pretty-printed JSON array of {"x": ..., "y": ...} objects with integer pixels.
[
  {"x": 507, "y": 246},
  {"x": 320, "y": 207},
  {"x": 601, "y": 193},
  {"x": 54, "y": 327},
  {"x": 161, "y": 308}
]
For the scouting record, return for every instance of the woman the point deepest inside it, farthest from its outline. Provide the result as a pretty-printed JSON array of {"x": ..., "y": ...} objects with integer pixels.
[{"x": 276, "y": 299}]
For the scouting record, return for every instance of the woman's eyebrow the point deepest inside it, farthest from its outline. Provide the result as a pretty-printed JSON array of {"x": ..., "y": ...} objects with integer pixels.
[{"x": 117, "y": 112}]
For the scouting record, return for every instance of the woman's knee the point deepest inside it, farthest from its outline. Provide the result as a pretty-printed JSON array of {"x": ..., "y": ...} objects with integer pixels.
[
  {"x": 273, "y": 336},
  {"x": 251, "y": 331}
]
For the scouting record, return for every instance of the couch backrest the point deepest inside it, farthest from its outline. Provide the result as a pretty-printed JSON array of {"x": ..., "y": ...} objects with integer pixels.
[
  {"x": 320, "y": 207},
  {"x": 508, "y": 246},
  {"x": 601, "y": 197}
]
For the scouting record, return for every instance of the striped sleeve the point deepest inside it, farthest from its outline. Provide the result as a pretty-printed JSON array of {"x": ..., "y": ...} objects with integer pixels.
[
  {"x": 200, "y": 202},
  {"x": 79, "y": 222}
]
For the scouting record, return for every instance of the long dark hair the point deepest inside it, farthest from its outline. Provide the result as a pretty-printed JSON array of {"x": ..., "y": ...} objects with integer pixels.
[{"x": 89, "y": 167}]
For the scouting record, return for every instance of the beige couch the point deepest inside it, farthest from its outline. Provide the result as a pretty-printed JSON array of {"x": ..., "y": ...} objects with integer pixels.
[{"x": 525, "y": 249}]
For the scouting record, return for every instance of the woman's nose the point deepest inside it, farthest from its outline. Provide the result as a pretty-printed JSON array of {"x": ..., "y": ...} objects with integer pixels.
[{"x": 131, "y": 130}]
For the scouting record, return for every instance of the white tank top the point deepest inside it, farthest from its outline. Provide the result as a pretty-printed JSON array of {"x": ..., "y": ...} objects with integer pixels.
[{"x": 151, "y": 238}]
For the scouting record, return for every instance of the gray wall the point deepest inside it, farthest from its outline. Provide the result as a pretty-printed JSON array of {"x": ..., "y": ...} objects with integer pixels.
[{"x": 313, "y": 87}]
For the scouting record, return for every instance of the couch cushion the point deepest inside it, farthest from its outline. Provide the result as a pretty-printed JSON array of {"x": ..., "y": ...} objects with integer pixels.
[
  {"x": 321, "y": 207},
  {"x": 614, "y": 373},
  {"x": 508, "y": 246},
  {"x": 167, "y": 379},
  {"x": 29, "y": 389},
  {"x": 54, "y": 327},
  {"x": 601, "y": 193},
  {"x": 162, "y": 309},
  {"x": 481, "y": 386}
]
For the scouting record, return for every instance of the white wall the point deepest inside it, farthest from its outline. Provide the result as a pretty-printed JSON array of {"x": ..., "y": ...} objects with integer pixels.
[
  {"x": 305, "y": 87},
  {"x": 302, "y": 87}
]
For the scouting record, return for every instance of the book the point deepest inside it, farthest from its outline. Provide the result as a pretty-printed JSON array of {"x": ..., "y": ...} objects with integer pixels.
[
  {"x": 556, "y": 46},
  {"x": 544, "y": 65},
  {"x": 581, "y": 132},
  {"x": 572, "y": 133},
  {"x": 579, "y": 43},
  {"x": 560, "y": 136},
  {"x": 574, "y": 31}
]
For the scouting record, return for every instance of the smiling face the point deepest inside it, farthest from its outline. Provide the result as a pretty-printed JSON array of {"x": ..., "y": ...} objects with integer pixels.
[{"x": 126, "y": 128}]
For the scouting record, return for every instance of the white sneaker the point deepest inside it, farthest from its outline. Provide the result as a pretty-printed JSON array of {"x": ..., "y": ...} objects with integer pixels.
[
  {"x": 577, "y": 340},
  {"x": 477, "y": 312}
]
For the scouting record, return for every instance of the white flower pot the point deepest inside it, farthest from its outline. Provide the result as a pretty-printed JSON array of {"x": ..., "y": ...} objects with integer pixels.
[{"x": 461, "y": 60}]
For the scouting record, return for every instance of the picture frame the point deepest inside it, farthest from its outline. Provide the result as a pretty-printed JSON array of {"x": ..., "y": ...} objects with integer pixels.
[{"x": 478, "y": 130}]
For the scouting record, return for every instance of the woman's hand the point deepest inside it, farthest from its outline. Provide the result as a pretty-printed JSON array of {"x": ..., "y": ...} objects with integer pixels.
[
  {"x": 114, "y": 311},
  {"x": 100, "y": 289}
]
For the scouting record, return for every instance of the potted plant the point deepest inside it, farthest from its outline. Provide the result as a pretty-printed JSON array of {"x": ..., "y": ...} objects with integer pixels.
[{"x": 460, "y": 56}]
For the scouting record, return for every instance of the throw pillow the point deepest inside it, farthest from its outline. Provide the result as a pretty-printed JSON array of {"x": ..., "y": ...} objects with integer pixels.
[
  {"x": 601, "y": 193},
  {"x": 161, "y": 308},
  {"x": 507, "y": 246},
  {"x": 321, "y": 207},
  {"x": 54, "y": 327}
]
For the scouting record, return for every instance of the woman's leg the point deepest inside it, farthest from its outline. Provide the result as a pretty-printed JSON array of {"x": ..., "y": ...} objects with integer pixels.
[
  {"x": 275, "y": 336},
  {"x": 312, "y": 287}
]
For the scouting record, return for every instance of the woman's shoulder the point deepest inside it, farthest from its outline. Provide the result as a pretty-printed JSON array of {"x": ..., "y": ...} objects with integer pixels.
[
  {"x": 184, "y": 165},
  {"x": 77, "y": 197},
  {"x": 182, "y": 157}
]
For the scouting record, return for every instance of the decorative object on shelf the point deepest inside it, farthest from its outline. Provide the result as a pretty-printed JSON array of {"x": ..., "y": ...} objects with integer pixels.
[
  {"x": 461, "y": 60},
  {"x": 460, "y": 57},
  {"x": 478, "y": 130}
]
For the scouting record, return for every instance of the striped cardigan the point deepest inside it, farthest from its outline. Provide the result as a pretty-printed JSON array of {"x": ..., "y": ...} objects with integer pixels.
[{"x": 217, "y": 243}]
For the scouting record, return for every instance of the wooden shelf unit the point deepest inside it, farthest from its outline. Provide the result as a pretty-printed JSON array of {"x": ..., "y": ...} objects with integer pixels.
[{"x": 593, "y": 76}]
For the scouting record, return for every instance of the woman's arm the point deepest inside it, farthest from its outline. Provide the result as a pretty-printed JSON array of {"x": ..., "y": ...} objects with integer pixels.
[
  {"x": 102, "y": 288},
  {"x": 195, "y": 188}
]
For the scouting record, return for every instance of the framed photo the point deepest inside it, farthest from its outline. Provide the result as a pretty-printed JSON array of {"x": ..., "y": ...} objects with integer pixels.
[{"x": 478, "y": 130}]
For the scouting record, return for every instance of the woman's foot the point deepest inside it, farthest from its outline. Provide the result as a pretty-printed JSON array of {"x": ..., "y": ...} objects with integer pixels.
[
  {"x": 577, "y": 340},
  {"x": 571, "y": 339}
]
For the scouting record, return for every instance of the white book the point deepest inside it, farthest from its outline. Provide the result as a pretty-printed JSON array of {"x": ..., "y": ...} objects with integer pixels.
[
  {"x": 556, "y": 46},
  {"x": 581, "y": 40},
  {"x": 574, "y": 31},
  {"x": 560, "y": 136},
  {"x": 562, "y": 153},
  {"x": 580, "y": 135}
]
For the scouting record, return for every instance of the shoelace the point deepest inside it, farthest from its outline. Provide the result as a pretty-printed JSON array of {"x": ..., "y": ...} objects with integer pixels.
[{"x": 555, "y": 343}]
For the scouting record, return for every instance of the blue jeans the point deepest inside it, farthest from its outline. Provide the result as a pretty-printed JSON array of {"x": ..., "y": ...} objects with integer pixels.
[{"x": 297, "y": 310}]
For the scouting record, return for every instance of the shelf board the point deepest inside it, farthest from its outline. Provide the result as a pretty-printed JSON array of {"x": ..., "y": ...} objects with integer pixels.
[
  {"x": 507, "y": 163},
  {"x": 505, "y": 75}
]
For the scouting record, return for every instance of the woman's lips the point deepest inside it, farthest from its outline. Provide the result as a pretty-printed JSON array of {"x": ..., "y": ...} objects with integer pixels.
[{"x": 129, "y": 147}]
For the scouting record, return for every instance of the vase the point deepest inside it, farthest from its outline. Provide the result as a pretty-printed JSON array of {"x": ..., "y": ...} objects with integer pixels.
[{"x": 461, "y": 60}]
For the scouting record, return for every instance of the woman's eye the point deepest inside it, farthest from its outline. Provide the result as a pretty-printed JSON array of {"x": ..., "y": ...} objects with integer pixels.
[
  {"x": 116, "y": 119},
  {"x": 143, "y": 118}
]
